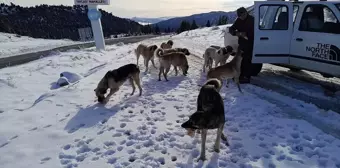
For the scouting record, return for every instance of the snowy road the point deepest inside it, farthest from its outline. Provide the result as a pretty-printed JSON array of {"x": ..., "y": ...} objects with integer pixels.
[{"x": 42, "y": 126}]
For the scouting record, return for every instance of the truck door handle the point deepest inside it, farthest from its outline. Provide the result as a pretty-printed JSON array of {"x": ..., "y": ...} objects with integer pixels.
[
  {"x": 299, "y": 39},
  {"x": 264, "y": 38}
]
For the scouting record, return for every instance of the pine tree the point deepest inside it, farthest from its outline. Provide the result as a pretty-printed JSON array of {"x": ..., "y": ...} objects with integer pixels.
[
  {"x": 157, "y": 29},
  {"x": 193, "y": 25},
  {"x": 208, "y": 24}
]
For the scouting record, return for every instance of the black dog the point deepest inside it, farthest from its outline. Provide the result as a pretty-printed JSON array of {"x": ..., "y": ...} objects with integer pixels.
[
  {"x": 116, "y": 78},
  {"x": 209, "y": 115}
]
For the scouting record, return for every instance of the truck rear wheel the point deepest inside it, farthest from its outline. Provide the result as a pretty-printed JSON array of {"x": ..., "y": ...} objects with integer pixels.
[
  {"x": 256, "y": 69},
  {"x": 295, "y": 69},
  {"x": 326, "y": 75}
]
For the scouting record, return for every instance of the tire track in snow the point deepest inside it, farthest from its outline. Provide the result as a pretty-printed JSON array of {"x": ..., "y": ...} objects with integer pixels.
[{"x": 293, "y": 112}]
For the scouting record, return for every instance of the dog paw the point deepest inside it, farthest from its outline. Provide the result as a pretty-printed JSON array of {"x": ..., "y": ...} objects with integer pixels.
[
  {"x": 201, "y": 158},
  {"x": 217, "y": 150}
]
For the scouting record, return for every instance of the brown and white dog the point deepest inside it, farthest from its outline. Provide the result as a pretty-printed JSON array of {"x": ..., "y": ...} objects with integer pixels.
[
  {"x": 229, "y": 70},
  {"x": 116, "y": 78},
  {"x": 177, "y": 59},
  {"x": 218, "y": 54},
  {"x": 209, "y": 115},
  {"x": 167, "y": 45},
  {"x": 148, "y": 54}
]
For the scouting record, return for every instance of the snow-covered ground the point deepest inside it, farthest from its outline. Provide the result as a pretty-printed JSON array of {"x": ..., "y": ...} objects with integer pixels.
[
  {"x": 43, "y": 126},
  {"x": 11, "y": 44}
]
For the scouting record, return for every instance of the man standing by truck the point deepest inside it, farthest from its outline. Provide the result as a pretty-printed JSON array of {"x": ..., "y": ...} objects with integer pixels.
[{"x": 243, "y": 27}]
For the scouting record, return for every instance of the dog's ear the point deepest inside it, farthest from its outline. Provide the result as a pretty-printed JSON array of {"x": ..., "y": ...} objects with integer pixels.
[
  {"x": 153, "y": 48},
  {"x": 229, "y": 49},
  {"x": 224, "y": 51},
  {"x": 171, "y": 42}
]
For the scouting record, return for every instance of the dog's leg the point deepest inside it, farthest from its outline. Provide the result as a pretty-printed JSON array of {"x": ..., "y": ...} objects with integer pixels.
[
  {"x": 137, "y": 55},
  {"x": 218, "y": 139},
  {"x": 161, "y": 71},
  {"x": 203, "y": 139},
  {"x": 204, "y": 65},
  {"x": 176, "y": 71},
  {"x": 133, "y": 86},
  {"x": 153, "y": 62},
  {"x": 227, "y": 83},
  {"x": 237, "y": 81},
  {"x": 166, "y": 73},
  {"x": 146, "y": 63},
  {"x": 112, "y": 91},
  {"x": 137, "y": 81},
  {"x": 224, "y": 138},
  {"x": 216, "y": 63}
]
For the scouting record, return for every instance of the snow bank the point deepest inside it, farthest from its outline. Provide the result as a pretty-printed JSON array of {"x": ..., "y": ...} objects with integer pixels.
[{"x": 11, "y": 44}]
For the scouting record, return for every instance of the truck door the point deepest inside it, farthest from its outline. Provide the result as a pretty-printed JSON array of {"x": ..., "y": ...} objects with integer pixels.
[
  {"x": 315, "y": 42},
  {"x": 273, "y": 30}
]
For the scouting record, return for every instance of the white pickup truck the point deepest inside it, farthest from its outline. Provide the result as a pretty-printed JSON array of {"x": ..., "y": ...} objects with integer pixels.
[{"x": 296, "y": 34}]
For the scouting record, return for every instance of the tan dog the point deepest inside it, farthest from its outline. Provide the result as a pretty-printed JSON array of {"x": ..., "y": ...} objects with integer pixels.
[
  {"x": 148, "y": 54},
  {"x": 167, "y": 45},
  {"x": 177, "y": 59},
  {"x": 183, "y": 50},
  {"x": 229, "y": 70},
  {"x": 116, "y": 78}
]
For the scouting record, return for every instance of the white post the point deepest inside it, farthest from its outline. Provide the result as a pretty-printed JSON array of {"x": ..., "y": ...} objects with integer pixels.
[{"x": 96, "y": 27}]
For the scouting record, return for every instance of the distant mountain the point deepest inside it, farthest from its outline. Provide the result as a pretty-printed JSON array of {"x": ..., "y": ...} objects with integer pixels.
[
  {"x": 58, "y": 22},
  {"x": 144, "y": 21},
  {"x": 200, "y": 19}
]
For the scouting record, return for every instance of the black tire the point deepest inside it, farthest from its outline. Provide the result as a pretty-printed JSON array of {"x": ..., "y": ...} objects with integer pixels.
[
  {"x": 326, "y": 75},
  {"x": 295, "y": 69},
  {"x": 256, "y": 69}
]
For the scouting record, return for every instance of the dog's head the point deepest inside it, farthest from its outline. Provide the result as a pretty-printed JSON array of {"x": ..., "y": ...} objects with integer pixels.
[
  {"x": 185, "y": 51},
  {"x": 153, "y": 48},
  {"x": 170, "y": 42},
  {"x": 225, "y": 50},
  {"x": 192, "y": 124},
  {"x": 189, "y": 128},
  {"x": 102, "y": 87},
  {"x": 215, "y": 82},
  {"x": 100, "y": 93}
]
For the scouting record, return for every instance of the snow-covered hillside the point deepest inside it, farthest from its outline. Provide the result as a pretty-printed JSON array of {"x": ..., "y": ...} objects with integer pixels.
[
  {"x": 43, "y": 126},
  {"x": 11, "y": 44}
]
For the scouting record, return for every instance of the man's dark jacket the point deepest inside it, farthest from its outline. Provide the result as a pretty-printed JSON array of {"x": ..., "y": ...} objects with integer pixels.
[{"x": 246, "y": 26}]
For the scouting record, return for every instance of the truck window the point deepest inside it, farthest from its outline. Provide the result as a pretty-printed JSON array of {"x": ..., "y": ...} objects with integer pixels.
[
  {"x": 338, "y": 5},
  {"x": 319, "y": 18},
  {"x": 274, "y": 17}
]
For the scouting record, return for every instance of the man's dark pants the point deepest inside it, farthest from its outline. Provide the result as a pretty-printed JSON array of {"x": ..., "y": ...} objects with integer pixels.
[{"x": 246, "y": 65}]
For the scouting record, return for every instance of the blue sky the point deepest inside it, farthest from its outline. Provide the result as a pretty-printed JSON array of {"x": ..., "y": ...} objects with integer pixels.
[{"x": 152, "y": 8}]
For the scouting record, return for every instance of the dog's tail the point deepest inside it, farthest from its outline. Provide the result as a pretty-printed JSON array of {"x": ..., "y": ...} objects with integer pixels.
[{"x": 159, "y": 52}]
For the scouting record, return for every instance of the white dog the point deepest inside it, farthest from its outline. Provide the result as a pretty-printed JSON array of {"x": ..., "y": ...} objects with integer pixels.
[{"x": 217, "y": 54}]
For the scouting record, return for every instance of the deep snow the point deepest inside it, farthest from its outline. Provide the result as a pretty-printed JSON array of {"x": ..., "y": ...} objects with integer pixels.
[{"x": 42, "y": 126}]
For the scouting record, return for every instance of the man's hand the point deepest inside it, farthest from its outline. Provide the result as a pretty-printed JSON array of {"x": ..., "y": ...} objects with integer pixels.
[{"x": 242, "y": 34}]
